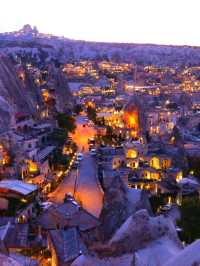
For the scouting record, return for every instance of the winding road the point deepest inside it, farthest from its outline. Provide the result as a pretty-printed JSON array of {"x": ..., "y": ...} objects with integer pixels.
[{"x": 88, "y": 191}]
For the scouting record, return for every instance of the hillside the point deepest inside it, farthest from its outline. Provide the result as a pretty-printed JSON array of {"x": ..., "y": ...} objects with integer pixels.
[
  {"x": 23, "y": 95},
  {"x": 15, "y": 95},
  {"x": 63, "y": 49}
]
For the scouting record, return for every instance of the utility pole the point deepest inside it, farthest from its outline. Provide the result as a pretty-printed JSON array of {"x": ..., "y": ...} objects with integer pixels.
[
  {"x": 135, "y": 73},
  {"x": 75, "y": 183}
]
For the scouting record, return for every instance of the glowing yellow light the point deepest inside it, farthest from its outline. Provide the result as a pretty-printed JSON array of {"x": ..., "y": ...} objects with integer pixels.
[
  {"x": 67, "y": 150},
  {"x": 131, "y": 154},
  {"x": 60, "y": 174},
  {"x": 23, "y": 200},
  {"x": 155, "y": 176},
  {"x": 45, "y": 95},
  {"x": 32, "y": 167},
  {"x": 172, "y": 139},
  {"x": 155, "y": 163},
  {"x": 169, "y": 200},
  {"x": 179, "y": 176},
  {"x": 131, "y": 120}
]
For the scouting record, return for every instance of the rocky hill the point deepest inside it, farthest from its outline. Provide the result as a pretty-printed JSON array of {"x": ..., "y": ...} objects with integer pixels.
[
  {"x": 15, "y": 95},
  {"x": 40, "y": 45},
  {"x": 57, "y": 81},
  {"x": 119, "y": 203},
  {"x": 129, "y": 235},
  {"x": 23, "y": 95},
  {"x": 142, "y": 240},
  {"x": 8, "y": 261},
  {"x": 188, "y": 256}
]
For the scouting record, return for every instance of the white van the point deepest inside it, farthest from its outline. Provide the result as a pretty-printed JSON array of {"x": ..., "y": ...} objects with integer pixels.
[{"x": 79, "y": 156}]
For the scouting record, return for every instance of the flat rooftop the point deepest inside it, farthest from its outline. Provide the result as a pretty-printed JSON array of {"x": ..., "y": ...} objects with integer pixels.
[{"x": 18, "y": 186}]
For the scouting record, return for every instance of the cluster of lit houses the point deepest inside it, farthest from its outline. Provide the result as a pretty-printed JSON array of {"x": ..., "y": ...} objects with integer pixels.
[
  {"x": 137, "y": 155},
  {"x": 80, "y": 70},
  {"x": 156, "y": 166},
  {"x": 147, "y": 156}
]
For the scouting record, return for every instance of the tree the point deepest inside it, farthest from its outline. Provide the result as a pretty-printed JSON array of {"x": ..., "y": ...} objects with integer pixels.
[
  {"x": 77, "y": 109},
  {"x": 198, "y": 127},
  {"x": 194, "y": 165},
  {"x": 91, "y": 112},
  {"x": 190, "y": 219},
  {"x": 178, "y": 137},
  {"x": 60, "y": 161},
  {"x": 148, "y": 137},
  {"x": 185, "y": 103},
  {"x": 156, "y": 202},
  {"x": 66, "y": 122},
  {"x": 58, "y": 136}
]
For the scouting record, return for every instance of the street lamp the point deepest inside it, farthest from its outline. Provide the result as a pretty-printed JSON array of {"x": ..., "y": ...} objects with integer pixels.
[{"x": 75, "y": 183}]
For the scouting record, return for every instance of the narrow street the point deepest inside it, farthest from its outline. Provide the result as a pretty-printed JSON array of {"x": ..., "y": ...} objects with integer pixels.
[
  {"x": 87, "y": 192},
  {"x": 82, "y": 134}
]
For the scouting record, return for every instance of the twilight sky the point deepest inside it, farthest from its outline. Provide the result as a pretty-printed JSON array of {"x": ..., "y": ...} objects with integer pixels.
[{"x": 139, "y": 21}]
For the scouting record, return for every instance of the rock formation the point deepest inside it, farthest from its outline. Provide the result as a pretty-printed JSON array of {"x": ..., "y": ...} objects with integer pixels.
[
  {"x": 58, "y": 82},
  {"x": 22, "y": 95},
  {"x": 8, "y": 261},
  {"x": 15, "y": 95},
  {"x": 188, "y": 256},
  {"x": 119, "y": 203},
  {"x": 136, "y": 240}
]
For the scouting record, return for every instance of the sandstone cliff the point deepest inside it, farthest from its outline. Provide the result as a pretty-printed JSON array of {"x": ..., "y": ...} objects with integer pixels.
[
  {"x": 22, "y": 95},
  {"x": 15, "y": 95},
  {"x": 119, "y": 203},
  {"x": 58, "y": 81},
  {"x": 142, "y": 240}
]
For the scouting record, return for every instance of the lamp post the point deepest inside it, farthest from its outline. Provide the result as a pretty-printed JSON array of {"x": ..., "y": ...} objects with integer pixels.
[{"x": 75, "y": 183}]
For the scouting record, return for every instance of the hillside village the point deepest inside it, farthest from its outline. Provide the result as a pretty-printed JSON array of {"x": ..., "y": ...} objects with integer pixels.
[{"x": 99, "y": 153}]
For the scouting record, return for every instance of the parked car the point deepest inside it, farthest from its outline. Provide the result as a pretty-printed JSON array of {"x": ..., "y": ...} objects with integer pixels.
[
  {"x": 76, "y": 164},
  {"x": 45, "y": 205},
  {"x": 93, "y": 152},
  {"x": 79, "y": 156},
  {"x": 91, "y": 146},
  {"x": 91, "y": 141},
  {"x": 166, "y": 207}
]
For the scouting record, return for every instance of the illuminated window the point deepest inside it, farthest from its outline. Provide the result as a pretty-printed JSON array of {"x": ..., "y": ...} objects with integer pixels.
[
  {"x": 45, "y": 95},
  {"x": 32, "y": 167},
  {"x": 169, "y": 200},
  {"x": 147, "y": 175},
  {"x": 179, "y": 176},
  {"x": 155, "y": 163},
  {"x": 166, "y": 164},
  {"x": 132, "y": 165},
  {"x": 67, "y": 150},
  {"x": 155, "y": 176},
  {"x": 132, "y": 154},
  {"x": 21, "y": 219}
]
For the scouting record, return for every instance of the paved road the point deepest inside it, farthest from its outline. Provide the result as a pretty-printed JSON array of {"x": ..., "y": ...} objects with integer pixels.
[
  {"x": 83, "y": 133},
  {"x": 67, "y": 186},
  {"x": 88, "y": 192}
]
